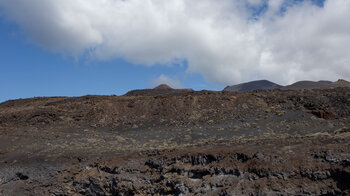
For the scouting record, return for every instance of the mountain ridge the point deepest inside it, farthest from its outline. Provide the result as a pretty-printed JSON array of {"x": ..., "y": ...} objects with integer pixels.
[
  {"x": 299, "y": 85},
  {"x": 253, "y": 85}
]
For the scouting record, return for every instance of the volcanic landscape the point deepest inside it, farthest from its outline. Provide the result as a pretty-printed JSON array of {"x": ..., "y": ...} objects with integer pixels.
[{"x": 178, "y": 142}]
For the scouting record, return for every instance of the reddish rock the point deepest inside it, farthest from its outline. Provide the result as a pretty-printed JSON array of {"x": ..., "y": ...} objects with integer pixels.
[
  {"x": 322, "y": 114},
  {"x": 163, "y": 86}
]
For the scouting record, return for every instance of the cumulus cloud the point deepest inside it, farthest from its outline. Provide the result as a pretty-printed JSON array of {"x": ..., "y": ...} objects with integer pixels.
[
  {"x": 218, "y": 39},
  {"x": 163, "y": 79}
]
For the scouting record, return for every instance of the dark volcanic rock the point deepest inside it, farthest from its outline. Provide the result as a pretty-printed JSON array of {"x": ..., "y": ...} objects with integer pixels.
[
  {"x": 191, "y": 143},
  {"x": 254, "y": 85},
  {"x": 228, "y": 175}
]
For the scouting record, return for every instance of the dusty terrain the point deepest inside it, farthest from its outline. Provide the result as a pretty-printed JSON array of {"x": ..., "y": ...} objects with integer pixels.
[{"x": 189, "y": 143}]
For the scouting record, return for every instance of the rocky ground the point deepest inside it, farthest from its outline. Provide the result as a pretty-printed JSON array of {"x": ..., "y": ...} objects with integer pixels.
[{"x": 189, "y": 143}]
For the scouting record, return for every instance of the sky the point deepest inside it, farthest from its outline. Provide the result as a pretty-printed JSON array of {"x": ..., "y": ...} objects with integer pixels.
[{"x": 80, "y": 47}]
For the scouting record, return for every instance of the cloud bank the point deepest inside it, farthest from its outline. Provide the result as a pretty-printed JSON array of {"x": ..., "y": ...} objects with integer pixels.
[{"x": 226, "y": 41}]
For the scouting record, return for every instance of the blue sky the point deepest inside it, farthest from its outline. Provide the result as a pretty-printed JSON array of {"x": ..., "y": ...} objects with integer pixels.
[
  {"x": 28, "y": 70},
  {"x": 74, "y": 48}
]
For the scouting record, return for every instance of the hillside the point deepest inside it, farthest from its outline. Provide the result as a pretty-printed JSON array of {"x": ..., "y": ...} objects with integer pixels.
[
  {"x": 162, "y": 89},
  {"x": 254, "y": 85},
  {"x": 317, "y": 85},
  {"x": 300, "y": 85},
  {"x": 341, "y": 83},
  {"x": 225, "y": 143},
  {"x": 309, "y": 85}
]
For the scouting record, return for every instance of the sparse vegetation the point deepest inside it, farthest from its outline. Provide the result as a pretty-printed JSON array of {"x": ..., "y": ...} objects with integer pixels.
[
  {"x": 281, "y": 112},
  {"x": 318, "y": 134}
]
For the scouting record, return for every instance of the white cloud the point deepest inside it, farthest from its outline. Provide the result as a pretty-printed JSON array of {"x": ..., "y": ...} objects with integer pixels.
[
  {"x": 163, "y": 79},
  {"x": 215, "y": 37}
]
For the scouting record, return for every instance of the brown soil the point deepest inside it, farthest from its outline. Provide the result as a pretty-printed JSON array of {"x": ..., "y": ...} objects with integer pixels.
[{"x": 219, "y": 143}]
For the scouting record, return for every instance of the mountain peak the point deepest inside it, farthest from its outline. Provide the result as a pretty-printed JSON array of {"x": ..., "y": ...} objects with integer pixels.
[
  {"x": 163, "y": 86},
  {"x": 253, "y": 85}
]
